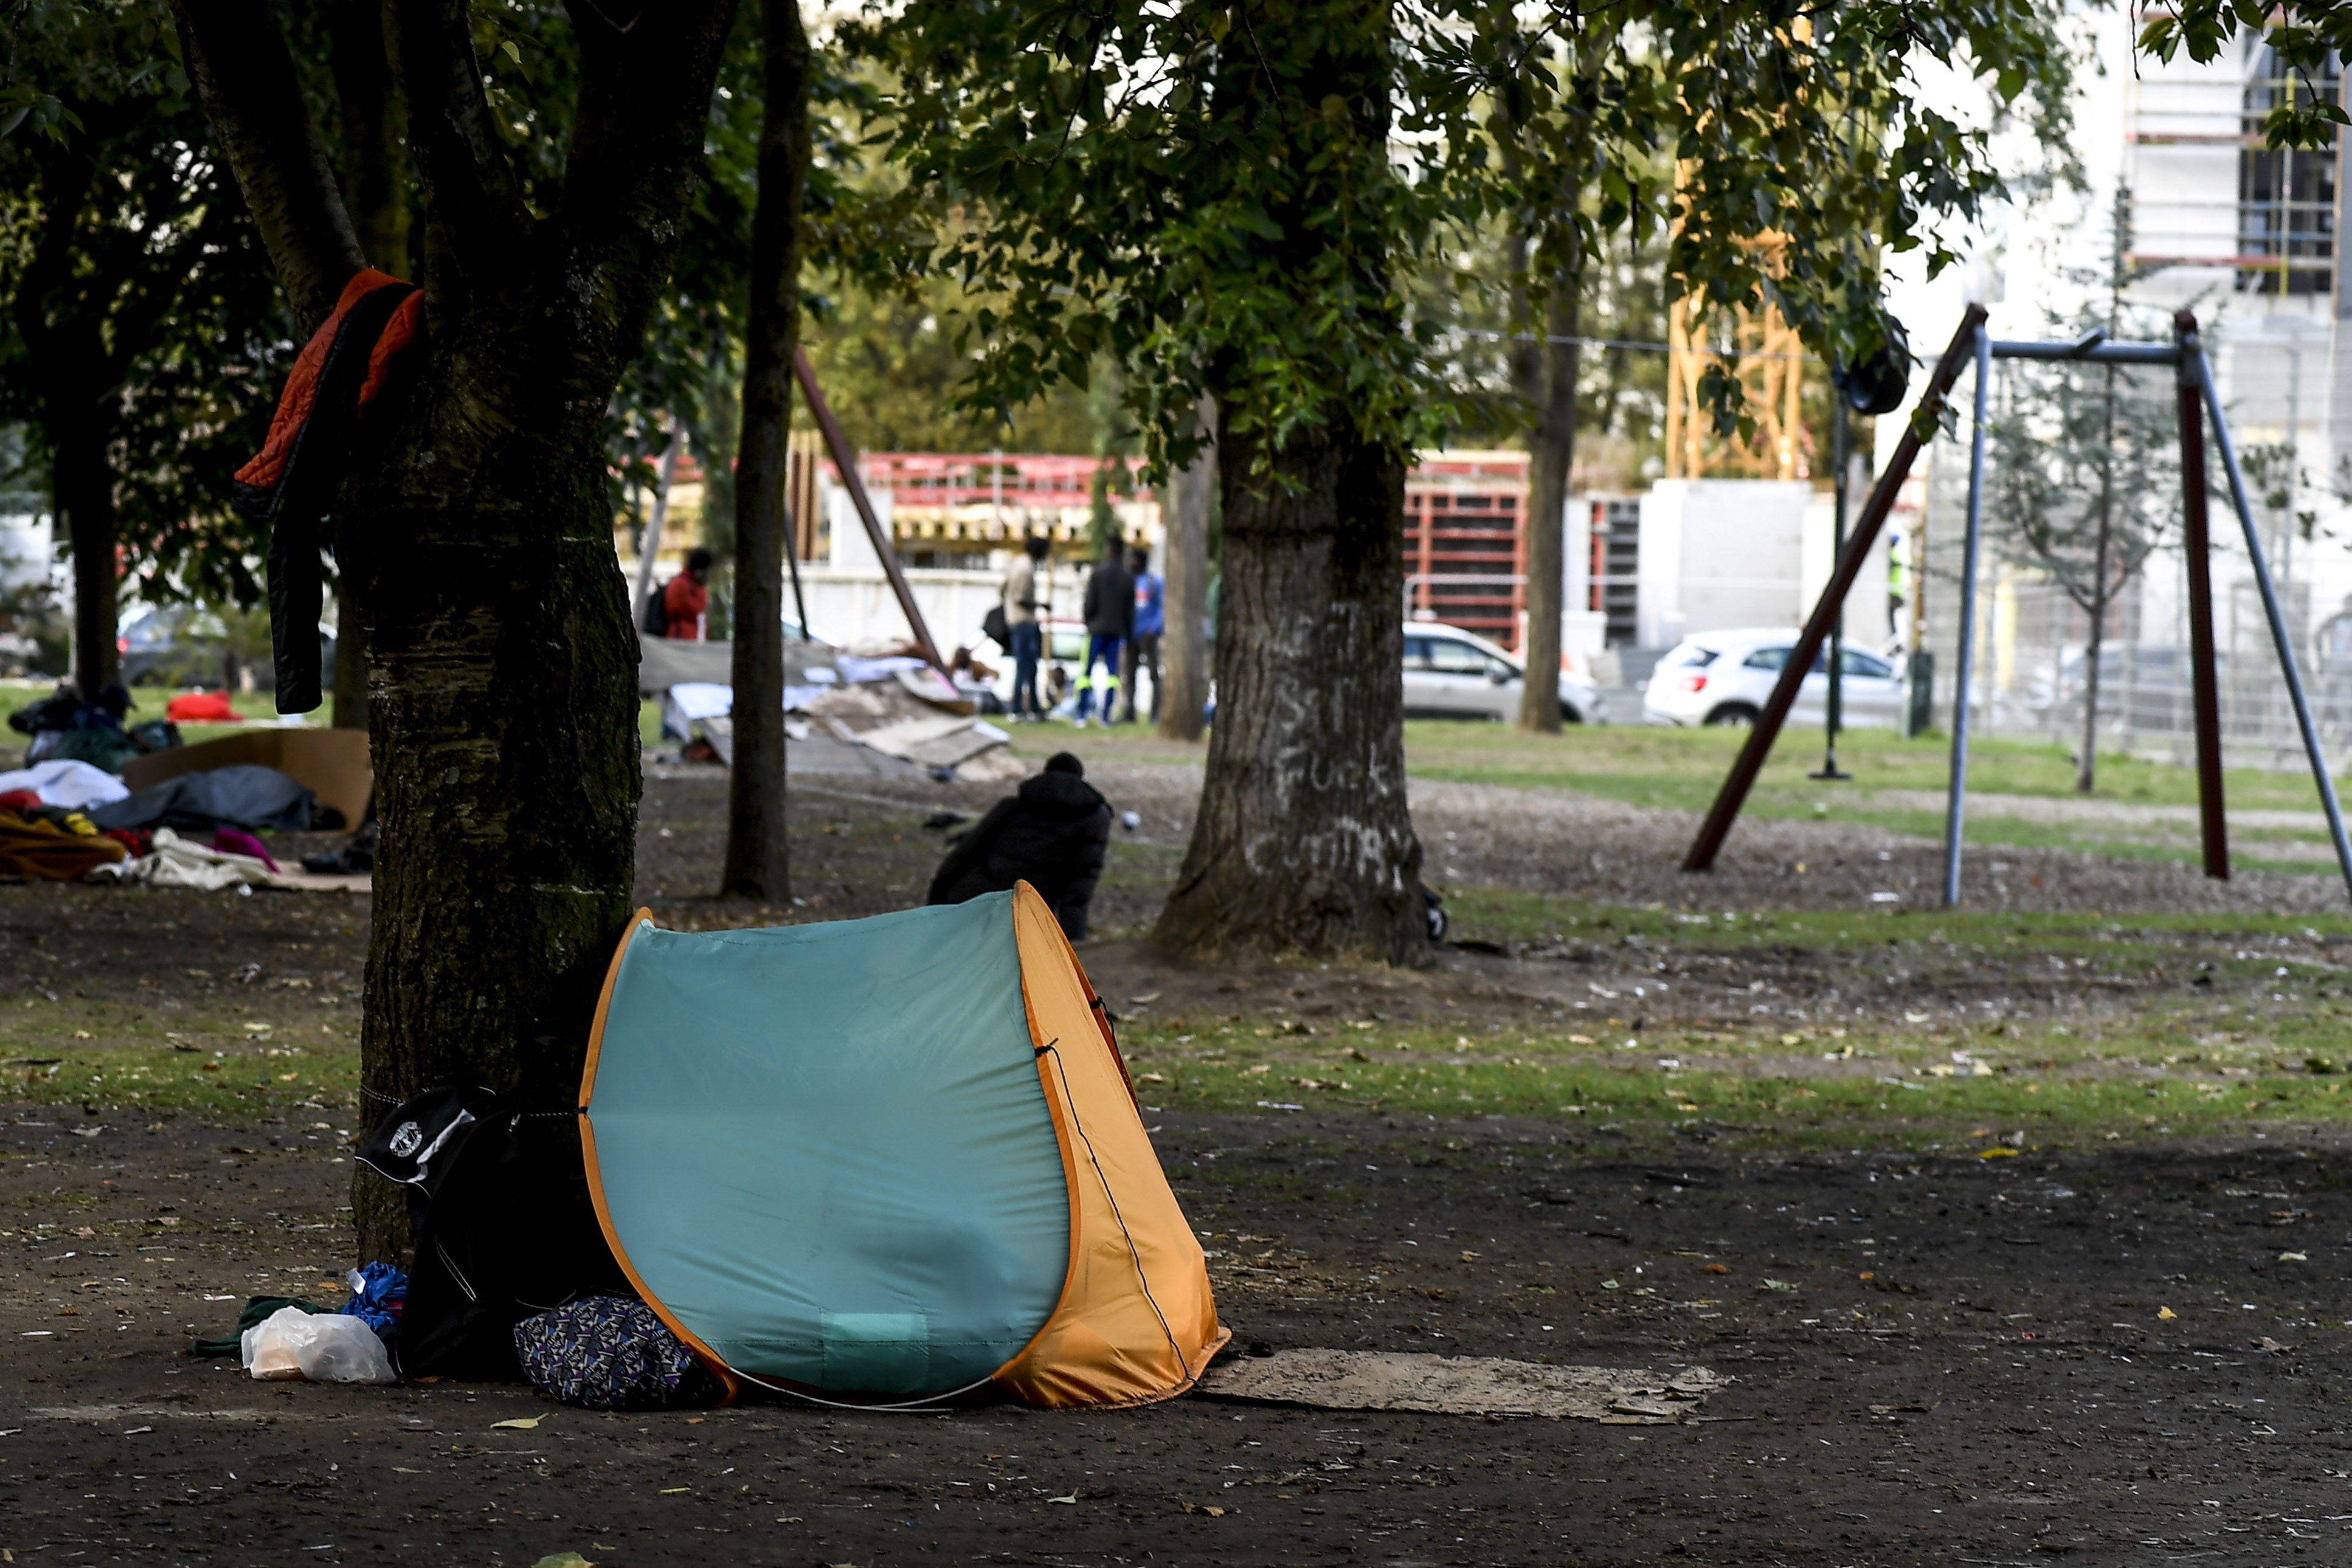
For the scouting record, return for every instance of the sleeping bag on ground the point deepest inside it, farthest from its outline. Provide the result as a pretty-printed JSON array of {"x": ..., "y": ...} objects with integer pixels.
[
  {"x": 889, "y": 1160},
  {"x": 243, "y": 796}
]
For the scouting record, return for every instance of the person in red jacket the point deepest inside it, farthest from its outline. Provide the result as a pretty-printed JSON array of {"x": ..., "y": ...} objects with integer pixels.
[{"x": 686, "y": 599}]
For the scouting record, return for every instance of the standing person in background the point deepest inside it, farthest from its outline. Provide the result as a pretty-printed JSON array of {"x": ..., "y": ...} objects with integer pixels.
[
  {"x": 1021, "y": 623},
  {"x": 1151, "y": 619},
  {"x": 686, "y": 599},
  {"x": 1110, "y": 624}
]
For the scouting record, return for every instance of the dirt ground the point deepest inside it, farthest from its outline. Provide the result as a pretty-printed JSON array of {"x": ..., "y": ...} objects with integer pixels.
[{"x": 2123, "y": 1354}]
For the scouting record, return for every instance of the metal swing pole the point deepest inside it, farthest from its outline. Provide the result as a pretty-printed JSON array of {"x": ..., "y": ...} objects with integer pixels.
[
  {"x": 1834, "y": 713},
  {"x": 1956, "y": 803},
  {"x": 2277, "y": 619},
  {"x": 1751, "y": 761}
]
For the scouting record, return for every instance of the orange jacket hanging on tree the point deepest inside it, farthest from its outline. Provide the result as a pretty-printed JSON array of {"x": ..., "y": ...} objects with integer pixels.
[{"x": 291, "y": 482}]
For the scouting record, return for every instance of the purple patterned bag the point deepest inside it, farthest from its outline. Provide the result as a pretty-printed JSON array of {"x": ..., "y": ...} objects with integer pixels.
[{"x": 609, "y": 1354}]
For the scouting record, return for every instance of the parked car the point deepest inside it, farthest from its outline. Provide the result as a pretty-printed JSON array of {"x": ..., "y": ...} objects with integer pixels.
[
  {"x": 1453, "y": 674},
  {"x": 1726, "y": 677},
  {"x": 195, "y": 646}
]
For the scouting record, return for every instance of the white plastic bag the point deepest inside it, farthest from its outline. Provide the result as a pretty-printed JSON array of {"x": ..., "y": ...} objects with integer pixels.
[{"x": 322, "y": 1347}]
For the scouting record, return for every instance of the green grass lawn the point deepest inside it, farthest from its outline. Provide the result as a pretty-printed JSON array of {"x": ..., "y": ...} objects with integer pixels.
[
  {"x": 1685, "y": 768},
  {"x": 148, "y": 701},
  {"x": 2166, "y": 1062},
  {"x": 217, "y": 1060}
]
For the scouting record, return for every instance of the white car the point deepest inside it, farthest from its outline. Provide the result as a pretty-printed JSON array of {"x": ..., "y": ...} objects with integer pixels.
[
  {"x": 1453, "y": 674},
  {"x": 1726, "y": 677}
]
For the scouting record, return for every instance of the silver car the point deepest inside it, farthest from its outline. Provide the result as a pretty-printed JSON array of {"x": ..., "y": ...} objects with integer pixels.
[{"x": 1453, "y": 674}]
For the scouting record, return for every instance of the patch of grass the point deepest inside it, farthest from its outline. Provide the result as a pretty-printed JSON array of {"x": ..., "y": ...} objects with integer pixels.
[
  {"x": 1639, "y": 1094},
  {"x": 99, "y": 1053},
  {"x": 160, "y": 1077},
  {"x": 1506, "y": 914},
  {"x": 1684, "y": 769}
]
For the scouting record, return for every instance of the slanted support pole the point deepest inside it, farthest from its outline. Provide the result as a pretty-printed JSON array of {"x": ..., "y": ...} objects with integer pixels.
[
  {"x": 1750, "y": 762},
  {"x": 2279, "y": 637},
  {"x": 846, "y": 461},
  {"x": 1955, "y": 799},
  {"x": 2197, "y": 549}
]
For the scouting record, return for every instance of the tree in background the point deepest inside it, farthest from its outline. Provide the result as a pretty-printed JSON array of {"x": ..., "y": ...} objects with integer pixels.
[
  {"x": 1231, "y": 201},
  {"x": 475, "y": 526},
  {"x": 2087, "y": 474},
  {"x": 758, "y": 863},
  {"x": 141, "y": 342}
]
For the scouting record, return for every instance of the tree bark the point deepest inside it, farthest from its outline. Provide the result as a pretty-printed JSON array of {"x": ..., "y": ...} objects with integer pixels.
[
  {"x": 82, "y": 481},
  {"x": 375, "y": 164},
  {"x": 758, "y": 864},
  {"x": 1303, "y": 840},
  {"x": 235, "y": 56},
  {"x": 1184, "y": 644},
  {"x": 1551, "y": 450},
  {"x": 375, "y": 191},
  {"x": 501, "y": 661}
]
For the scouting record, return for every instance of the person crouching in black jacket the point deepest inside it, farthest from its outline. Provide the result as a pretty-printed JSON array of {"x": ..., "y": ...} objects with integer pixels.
[{"x": 1052, "y": 835}]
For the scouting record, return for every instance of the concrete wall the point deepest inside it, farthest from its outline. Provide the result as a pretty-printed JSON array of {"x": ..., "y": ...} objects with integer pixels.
[{"x": 1718, "y": 553}]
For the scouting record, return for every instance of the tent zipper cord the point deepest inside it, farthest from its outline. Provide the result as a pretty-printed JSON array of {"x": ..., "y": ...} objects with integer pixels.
[
  {"x": 923, "y": 1404},
  {"x": 1101, "y": 1175}
]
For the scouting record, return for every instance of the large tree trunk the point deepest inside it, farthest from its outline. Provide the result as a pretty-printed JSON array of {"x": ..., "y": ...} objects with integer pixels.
[
  {"x": 758, "y": 864},
  {"x": 1184, "y": 645},
  {"x": 375, "y": 190},
  {"x": 1551, "y": 450},
  {"x": 1303, "y": 840},
  {"x": 82, "y": 481},
  {"x": 503, "y": 697}
]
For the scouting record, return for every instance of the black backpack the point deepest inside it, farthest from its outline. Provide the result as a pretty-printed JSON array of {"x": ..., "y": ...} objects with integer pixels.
[
  {"x": 992, "y": 625},
  {"x": 503, "y": 1225},
  {"x": 656, "y": 623}
]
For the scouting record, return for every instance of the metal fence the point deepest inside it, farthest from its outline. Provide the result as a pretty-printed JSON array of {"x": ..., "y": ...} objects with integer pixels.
[{"x": 2031, "y": 667}]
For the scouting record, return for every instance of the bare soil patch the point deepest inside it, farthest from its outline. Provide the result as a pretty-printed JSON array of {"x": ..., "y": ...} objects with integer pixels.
[{"x": 2116, "y": 1354}]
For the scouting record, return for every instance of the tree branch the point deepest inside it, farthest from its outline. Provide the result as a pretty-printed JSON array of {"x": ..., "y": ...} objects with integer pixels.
[
  {"x": 473, "y": 212},
  {"x": 633, "y": 132},
  {"x": 236, "y": 55}
]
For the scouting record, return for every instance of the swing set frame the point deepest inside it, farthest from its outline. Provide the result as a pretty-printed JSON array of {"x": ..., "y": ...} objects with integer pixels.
[{"x": 2199, "y": 399}]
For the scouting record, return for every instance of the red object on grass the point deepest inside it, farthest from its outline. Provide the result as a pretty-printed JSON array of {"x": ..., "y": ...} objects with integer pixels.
[
  {"x": 19, "y": 799},
  {"x": 202, "y": 707}
]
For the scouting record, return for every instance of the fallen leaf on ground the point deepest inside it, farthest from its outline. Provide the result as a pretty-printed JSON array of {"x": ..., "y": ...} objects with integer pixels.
[
  {"x": 563, "y": 1560},
  {"x": 673, "y": 1492},
  {"x": 1072, "y": 1498},
  {"x": 1204, "y": 1508},
  {"x": 2166, "y": 1314},
  {"x": 2294, "y": 1257},
  {"x": 520, "y": 1424}
]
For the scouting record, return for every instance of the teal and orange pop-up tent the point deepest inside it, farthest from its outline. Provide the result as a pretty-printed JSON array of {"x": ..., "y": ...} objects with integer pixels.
[{"x": 890, "y": 1160}]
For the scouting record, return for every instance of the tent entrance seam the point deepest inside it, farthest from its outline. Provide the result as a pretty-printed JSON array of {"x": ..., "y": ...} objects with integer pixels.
[
  {"x": 1070, "y": 1102},
  {"x": 924, "y": 1403}
]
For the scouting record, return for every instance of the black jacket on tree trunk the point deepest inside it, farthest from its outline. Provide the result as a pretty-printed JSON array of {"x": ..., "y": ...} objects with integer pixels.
[
  {"x": 1052, "y": 835},
  {"x": 1110, "y": 601}
]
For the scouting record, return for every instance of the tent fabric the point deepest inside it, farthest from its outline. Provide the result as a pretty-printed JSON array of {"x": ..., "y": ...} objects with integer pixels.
[
  {"x": 1136, "y": 1321},
  {"x": 879, "y": 1159}
]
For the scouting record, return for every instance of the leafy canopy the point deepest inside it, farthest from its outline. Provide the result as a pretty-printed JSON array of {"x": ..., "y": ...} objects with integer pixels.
[{"x": 1205, "y": 192}]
